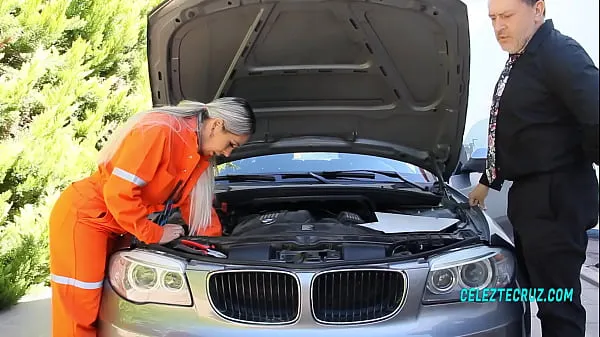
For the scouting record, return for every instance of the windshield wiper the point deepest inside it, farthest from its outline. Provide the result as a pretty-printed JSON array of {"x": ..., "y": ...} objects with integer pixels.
[
  {"x": 246, "y": 177},
  {"x": 323, "y": 177},
  {"x": 371, "y": 175},
  {"x": 305, "y": 175},
  {"x": 271, "y": 177}
]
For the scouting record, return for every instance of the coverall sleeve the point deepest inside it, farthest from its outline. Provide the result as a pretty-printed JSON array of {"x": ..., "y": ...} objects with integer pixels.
[
  {"x": 214, "y": 219},
  {"x": 573, "y": 77},
  {"x": 134, "y": 165},
  {"x": 215, "y": 228},
  {"x": 185, "y": 208}
]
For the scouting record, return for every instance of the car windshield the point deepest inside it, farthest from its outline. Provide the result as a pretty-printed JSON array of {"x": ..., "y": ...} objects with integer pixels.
[{"x": 301, "y": 162}]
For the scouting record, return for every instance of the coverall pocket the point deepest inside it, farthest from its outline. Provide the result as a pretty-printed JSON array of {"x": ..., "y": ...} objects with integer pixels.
[
  {"x": 91, "y": 207},
  {"x": 96, "y": 213}
]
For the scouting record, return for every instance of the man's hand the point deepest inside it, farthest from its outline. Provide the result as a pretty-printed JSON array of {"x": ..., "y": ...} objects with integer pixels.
[
  {"x": 478, "y": 195},
  {"x": 171, "y": 232}
]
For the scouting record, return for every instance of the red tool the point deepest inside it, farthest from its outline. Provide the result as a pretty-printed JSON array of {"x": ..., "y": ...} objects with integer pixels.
[{"x": 208, "y": 250}]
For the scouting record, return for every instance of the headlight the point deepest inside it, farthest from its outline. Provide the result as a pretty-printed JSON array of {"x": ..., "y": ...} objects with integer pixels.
[
  {"x": 478, "y": 268},
  {"x": 145, "y": 277}
]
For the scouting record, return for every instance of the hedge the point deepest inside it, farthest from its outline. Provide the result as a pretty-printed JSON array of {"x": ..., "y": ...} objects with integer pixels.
[{"x": 70, "y": 72}]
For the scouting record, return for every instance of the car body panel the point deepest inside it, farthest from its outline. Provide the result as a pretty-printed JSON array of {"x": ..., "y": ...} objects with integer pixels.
[
  {"x": 119, "y": 317},
  {"x": 323, "y": 74}
]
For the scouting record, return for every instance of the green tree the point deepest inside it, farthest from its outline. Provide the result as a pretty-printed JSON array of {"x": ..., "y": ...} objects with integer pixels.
[{"x": 70, "y": 72}]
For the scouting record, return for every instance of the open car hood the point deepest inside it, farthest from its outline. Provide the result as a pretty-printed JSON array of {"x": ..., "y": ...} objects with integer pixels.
[{"x": 385, "y": 77}]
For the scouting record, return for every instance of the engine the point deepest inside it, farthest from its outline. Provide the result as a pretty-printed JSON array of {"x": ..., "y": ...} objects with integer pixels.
[
  {"x": 300, "y": 221},
  {"x": 324, "y": 228}
]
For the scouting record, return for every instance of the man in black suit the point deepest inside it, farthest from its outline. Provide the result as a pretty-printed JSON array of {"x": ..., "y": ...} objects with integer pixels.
[{"x": 543, "y": 136}]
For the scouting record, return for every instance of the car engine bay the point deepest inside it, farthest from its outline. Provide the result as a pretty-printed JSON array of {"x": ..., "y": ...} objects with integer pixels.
[
  {"x": 310, "y": 227},
  {"x": 331, "y": 218}
]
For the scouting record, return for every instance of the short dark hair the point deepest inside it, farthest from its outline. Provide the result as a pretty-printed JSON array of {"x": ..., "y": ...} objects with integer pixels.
[{"x": 533, "y": 2}]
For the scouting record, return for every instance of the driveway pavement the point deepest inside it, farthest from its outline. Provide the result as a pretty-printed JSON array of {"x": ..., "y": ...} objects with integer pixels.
[{"x": 31, "y": 317}]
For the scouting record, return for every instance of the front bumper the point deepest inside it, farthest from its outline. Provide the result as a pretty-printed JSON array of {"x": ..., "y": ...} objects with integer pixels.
[{"x": 121, "y": 318}]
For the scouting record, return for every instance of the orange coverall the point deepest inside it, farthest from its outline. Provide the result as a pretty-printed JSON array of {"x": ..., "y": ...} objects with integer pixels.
[{"x": 116, "y": 199}]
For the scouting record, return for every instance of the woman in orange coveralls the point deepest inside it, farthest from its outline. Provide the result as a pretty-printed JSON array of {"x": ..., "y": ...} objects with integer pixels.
[{"x": 138, "y": 170}]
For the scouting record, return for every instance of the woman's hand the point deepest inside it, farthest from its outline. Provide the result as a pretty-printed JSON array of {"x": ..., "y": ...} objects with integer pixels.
[{"x": 170, "y": 233}]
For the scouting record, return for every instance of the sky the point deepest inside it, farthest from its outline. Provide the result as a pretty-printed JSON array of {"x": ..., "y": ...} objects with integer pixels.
[{"x": 575, "y": 18}]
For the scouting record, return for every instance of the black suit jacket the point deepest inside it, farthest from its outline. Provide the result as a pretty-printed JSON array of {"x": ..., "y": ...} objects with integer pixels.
[{"x": 548, "y": 113}]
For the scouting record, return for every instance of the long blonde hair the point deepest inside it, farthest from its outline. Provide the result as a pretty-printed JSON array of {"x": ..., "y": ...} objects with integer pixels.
[{"x": 238, "y": 119}]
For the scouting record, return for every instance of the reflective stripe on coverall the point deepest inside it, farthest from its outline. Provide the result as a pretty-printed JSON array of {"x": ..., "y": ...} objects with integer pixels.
[{"x": 91, "y": 213}]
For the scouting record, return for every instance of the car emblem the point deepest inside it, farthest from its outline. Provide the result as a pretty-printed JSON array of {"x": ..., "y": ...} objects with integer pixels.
[{"x": 268, "y": 218}]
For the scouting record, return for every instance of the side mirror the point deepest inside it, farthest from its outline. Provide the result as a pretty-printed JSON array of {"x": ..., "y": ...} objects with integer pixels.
[
  {"x": 473, "y": 165},
  {"x": 476, "y": 163}
]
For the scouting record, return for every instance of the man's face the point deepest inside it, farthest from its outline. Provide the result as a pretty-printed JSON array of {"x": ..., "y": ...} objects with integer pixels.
[{"x": 514, "y": 22}]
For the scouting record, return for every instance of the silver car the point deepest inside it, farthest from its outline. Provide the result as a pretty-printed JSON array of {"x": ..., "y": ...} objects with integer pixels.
[{"x": 338, "y": 216}]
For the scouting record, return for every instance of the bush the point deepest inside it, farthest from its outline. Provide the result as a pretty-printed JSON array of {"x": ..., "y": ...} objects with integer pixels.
[{"x": 70, "y": 72}]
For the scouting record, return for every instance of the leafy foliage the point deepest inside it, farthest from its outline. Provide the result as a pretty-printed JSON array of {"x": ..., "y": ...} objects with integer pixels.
[{"x": 70, "y": 72}]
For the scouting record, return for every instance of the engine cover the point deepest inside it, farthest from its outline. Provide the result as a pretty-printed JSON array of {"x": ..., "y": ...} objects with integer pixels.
[{"x": 301, "y": 222}]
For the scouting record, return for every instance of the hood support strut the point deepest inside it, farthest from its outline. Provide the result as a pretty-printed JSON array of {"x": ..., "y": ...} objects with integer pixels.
[
  {"x": 243, "y": 48},
  {"x": 460, "y": 208},
  {"x": 446, "y": 200}
]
